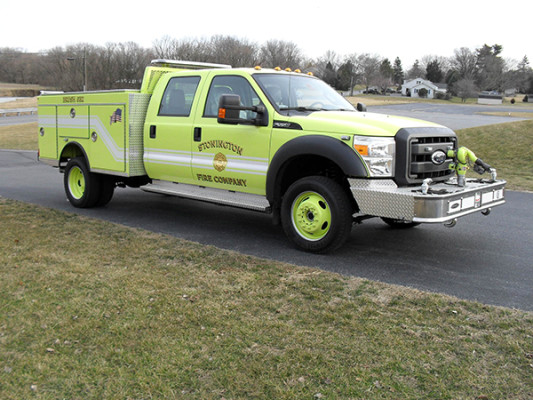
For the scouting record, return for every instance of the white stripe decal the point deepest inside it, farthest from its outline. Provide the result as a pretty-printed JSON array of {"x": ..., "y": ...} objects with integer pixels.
[
  {"x": 182, "y": 159},
  {"x": 67, "y": 122},
  {"x": 116, "y": 152}
]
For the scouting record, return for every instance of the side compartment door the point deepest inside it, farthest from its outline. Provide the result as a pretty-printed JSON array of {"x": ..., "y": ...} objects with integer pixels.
[
  {"x": 231, "y": 157},
  {"x": 169, "y": 128},
  {"x": 108, "y": 137},
  {"x": 48, "y": 132}
]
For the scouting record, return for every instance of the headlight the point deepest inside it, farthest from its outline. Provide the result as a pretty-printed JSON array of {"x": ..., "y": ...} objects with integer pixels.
[{"x": 378, "y": 154}]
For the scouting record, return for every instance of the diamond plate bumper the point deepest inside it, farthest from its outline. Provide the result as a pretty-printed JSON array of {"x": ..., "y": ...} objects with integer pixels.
[{"x": 444, "y": 202}]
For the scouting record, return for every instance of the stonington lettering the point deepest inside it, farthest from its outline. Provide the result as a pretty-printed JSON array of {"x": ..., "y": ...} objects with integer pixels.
[{"x": 220, "y": 144}]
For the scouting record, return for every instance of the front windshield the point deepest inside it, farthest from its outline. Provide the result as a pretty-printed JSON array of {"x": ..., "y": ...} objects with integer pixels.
[{"x": 301, "y": 93}]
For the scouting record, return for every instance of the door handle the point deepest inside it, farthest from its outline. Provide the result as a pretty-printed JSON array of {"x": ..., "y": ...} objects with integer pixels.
[
  {"x": 197, "y": 134},
  {"x": 152, "y": 131}
]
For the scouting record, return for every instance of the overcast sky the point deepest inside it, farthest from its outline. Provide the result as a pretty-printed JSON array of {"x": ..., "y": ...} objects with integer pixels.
[{"x": 409, "y": 29}]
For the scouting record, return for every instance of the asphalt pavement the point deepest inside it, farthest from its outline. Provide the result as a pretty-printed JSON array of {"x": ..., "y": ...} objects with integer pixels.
[{"x": 454, "y": 116}]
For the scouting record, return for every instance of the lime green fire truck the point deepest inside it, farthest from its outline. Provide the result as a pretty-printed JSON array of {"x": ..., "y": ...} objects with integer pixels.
[{"x": 276, "y": 141}]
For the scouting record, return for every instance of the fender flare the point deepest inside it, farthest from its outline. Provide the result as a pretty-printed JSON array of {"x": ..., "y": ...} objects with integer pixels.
[
  {"x": 79, "y": 147},
  {"x": 327, "y": 147}
]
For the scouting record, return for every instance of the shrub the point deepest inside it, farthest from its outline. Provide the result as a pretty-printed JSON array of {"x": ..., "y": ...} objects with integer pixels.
[{"x": 423, "y": 93}]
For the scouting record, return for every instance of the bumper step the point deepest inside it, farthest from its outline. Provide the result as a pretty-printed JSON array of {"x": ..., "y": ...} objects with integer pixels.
[{"x": 443, "y": 203}]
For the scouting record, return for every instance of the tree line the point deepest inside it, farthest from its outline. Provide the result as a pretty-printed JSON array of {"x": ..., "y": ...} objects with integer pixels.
[{"x": 121, "y": 65}]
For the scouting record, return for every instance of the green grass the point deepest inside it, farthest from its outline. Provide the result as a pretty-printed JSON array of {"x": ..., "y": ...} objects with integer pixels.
[
  {"x": 20, "y": 137},
  {"x": 93, "y": 310},
  {"x": 507, "y": 147}
]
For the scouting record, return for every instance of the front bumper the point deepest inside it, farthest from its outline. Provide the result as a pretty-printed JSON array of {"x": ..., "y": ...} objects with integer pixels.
[{"x": 444, "y": 201}]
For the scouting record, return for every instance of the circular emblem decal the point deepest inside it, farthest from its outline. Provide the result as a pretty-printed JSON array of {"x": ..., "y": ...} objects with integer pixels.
[
  {"x": 219, "y": 162},
  {"x": 438, "y": 157}
]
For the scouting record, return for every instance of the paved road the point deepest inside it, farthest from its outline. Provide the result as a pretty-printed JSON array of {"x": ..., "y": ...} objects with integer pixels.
[
  {"x": 454, "y": 116},
  {"x": 488, "y": 259},
  {"x": 14, "y": 120}
]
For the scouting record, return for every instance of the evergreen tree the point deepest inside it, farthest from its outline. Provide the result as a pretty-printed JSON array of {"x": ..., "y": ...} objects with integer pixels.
[
  {"x": 397, "y": 76},
  {"x": 434, "y": 72},
  {"x": 345, "y": 78},
  {"x": 489, "y": 67}
]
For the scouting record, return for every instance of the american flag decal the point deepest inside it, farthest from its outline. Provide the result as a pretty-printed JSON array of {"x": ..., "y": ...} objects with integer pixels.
[{"x": 116, "y": 117}]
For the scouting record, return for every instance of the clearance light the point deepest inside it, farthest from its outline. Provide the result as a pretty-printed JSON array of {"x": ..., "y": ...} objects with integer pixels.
[
  {"x": 310, "y": 73},
  {"x": 288, "y": 69},
  {"x": 277, "y": 69},
  {"x": 297, "y": 71},
  {"x": 258, "y": 68}
]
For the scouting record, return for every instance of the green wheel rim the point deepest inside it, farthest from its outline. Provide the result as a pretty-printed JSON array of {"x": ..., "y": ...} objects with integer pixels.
[
  {"x": 311, "y": 216},
  {"x": 76, "y": 182}
]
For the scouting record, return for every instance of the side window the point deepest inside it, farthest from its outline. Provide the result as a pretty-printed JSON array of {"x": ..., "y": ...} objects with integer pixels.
[
  {"x": 178, "y": 97},
  {"x": 226, "y": 84}
]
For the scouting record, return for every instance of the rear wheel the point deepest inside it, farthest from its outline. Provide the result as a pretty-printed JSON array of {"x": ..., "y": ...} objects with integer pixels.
[
  {"x": 82, "y": 187},
  {"x": 316, "y": 214},
  {"x": 107, "y": 189}
]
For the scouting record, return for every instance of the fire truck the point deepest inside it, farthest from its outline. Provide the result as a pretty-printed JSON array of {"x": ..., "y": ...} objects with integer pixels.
[{"x": 269, "y": 140}]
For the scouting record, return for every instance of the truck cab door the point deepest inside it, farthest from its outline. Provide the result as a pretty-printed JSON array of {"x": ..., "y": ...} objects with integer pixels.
[
  {"x": 231, "y": 157},
  {"x": 169, "y": 128}
]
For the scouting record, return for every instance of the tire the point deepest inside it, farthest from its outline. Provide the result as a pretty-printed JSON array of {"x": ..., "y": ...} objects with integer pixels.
[
  {"x": 82, "y": 187},
  {"x": 107, "y": 189},
  {"x": 316, "y": 214},
  {"x": 399, "y": 224}
]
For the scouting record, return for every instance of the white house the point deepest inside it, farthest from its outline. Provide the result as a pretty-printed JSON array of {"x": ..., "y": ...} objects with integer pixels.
[{"x": 411, "y": 88}]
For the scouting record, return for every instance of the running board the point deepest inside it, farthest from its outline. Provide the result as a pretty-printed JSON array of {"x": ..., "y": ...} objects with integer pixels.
[{"x": 218, "y": 196}]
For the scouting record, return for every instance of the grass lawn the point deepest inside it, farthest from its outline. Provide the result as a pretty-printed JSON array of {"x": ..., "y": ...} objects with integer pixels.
[
  {"x": 19, "y": 137},
  {"x": 507, "y": 147},
  {"x": 94, "y": 310}
]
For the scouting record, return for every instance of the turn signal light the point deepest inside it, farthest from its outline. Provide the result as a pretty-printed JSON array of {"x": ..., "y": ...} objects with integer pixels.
[{"x": 361, "y": 149}]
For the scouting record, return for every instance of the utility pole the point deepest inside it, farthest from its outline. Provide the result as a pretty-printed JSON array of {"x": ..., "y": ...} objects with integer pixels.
[{"x": 84, "y": 58}]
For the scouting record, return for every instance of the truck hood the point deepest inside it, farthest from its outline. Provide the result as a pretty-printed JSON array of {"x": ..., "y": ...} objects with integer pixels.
[{"x": 358, "y": 123}]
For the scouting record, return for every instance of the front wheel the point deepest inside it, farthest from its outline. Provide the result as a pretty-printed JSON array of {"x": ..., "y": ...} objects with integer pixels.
[{"x": 316, "y": 214}]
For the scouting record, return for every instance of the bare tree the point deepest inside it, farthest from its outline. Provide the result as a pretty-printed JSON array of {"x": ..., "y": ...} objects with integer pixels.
[
  {"x": 416, "y": 71},
  {"x": 369, "y": 66},
  {"x": 464, "y": 62},
  {"x": 233, "y": 51},
  {"x": 465, "y": 88},
  {"x": 185, "y": 49},
  {"x": 278, "y": 53}
]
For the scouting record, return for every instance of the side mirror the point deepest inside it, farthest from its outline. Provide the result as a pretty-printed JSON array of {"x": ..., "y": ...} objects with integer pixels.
[
  {"x": 229, "y": 108},
  {"x": 361, "y": 107}
]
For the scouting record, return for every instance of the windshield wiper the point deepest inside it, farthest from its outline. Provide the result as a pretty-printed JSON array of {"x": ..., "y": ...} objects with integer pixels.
[{"x": 303, "y": 109}]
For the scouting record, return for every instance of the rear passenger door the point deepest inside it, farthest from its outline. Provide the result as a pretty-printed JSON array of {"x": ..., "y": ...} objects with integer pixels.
[{"x": 169, "y": 129}]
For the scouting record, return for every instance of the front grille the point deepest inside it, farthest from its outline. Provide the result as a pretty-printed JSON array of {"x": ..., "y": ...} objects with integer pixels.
[
  {"x": 422, "y": 148},
  {"x": 414, "y": 148}
]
